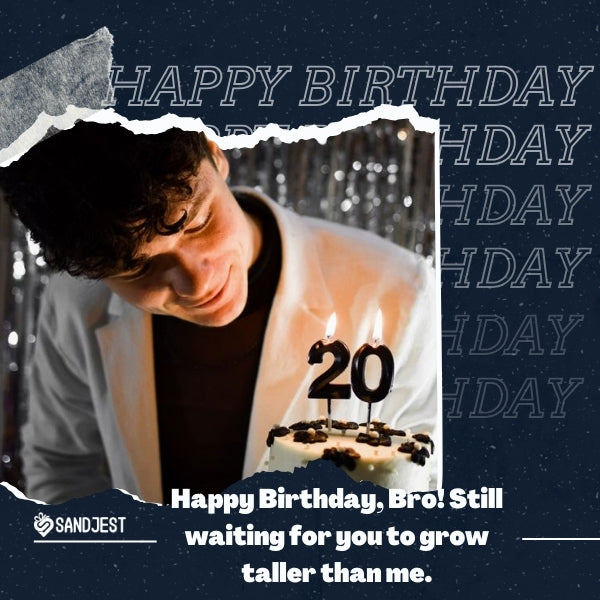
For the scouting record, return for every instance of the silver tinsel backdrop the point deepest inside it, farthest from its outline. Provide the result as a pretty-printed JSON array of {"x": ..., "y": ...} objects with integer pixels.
[{"x": 379, "y": 177}]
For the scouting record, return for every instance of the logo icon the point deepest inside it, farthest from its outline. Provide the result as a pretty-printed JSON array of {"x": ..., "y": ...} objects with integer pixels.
[{"x": 43, "y": 524}]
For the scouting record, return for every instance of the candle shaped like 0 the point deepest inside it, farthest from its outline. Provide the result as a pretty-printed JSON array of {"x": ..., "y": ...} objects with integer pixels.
[
  {"x": 321, "y": 386},
  {"x": 359, "y": 362}
]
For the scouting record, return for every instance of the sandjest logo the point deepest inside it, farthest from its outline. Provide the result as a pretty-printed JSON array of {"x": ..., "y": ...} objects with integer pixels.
[
  {"x": 43, "y": 524},
  {"x": 72, "y": 526}
]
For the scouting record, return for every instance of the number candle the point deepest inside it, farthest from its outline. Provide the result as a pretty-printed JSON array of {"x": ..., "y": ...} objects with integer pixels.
[
  {"x": 359, "y": 384},
  {"x": 321, "y": 386}
]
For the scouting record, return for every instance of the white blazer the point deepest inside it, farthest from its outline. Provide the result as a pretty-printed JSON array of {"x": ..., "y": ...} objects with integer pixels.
[{"x": 92, "y": 408}]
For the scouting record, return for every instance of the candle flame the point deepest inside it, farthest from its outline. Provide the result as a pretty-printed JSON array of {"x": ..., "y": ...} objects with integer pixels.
[
  {"x": 378, "y": 328},
  {"x": 331, "y": 325}
]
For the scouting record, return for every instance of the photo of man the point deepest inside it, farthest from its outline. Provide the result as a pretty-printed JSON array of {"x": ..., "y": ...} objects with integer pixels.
[{"x": 174, "y": 332}]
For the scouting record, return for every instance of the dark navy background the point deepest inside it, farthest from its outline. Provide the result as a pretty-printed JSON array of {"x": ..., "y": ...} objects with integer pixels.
[{"x": 547, "y": 466}]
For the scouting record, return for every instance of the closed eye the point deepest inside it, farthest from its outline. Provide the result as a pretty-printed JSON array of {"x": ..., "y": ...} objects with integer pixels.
[{"x": 200, "y": 226}]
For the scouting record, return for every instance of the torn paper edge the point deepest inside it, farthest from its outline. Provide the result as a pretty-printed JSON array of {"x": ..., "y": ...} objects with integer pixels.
[
  {"x": 21, "y": 496},
  {"x": 272, "y": 130},
  {"x": 38, "y": 130},
  {"x": 320, "y": 133}
]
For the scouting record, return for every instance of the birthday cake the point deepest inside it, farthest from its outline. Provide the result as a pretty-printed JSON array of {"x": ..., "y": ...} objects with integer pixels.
[{"x": 389, "y": 457}]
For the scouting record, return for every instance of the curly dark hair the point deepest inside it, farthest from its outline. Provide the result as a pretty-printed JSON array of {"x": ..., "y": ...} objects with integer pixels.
[{"x": 92, "y": 194}]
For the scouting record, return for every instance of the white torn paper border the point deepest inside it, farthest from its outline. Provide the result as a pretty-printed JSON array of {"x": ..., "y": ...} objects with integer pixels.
[
  {"x": 272, "y": 130},
  {"x": 18, "y": 493},
  {"x": 21, "y": 496},
  {"x": 55, "y": 91},
  {"x": 320, "y": 133}
]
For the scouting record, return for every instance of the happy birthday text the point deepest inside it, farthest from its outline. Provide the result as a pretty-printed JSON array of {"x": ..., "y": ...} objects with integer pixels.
[{"x": 315, "y": 498}]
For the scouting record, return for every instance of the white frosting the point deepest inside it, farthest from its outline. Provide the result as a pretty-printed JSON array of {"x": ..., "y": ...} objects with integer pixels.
[{"x": 384, "y": 465}]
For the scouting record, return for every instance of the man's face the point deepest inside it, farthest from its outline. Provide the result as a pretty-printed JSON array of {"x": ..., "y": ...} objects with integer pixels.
[{"x": 199, "y": 274}]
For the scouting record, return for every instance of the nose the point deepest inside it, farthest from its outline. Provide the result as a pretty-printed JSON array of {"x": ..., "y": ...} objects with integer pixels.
[{"x": 189, "y": 275}]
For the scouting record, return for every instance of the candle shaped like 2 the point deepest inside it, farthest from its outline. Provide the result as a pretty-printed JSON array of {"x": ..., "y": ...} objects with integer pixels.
[
  {"x": 322, "y": 387},
  {"x": 359, "y": 362}
]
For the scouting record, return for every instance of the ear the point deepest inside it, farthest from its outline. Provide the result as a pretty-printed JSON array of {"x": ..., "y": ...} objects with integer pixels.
[{"x": 220, "y": 160}]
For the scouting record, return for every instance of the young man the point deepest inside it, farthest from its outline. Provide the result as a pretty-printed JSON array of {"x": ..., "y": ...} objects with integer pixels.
[{"x": 179, "y": 334}]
